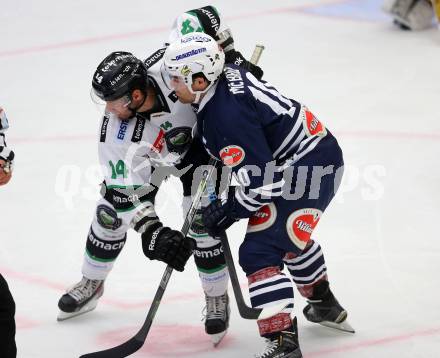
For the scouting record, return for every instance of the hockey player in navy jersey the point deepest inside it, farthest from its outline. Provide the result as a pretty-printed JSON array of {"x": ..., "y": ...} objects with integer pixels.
[{"x": 288, "y": 167}]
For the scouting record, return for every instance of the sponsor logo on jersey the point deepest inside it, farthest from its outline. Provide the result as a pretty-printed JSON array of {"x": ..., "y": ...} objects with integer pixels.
[
  {"x": 159, "y": 142},
  {"x": 122, "y": 130},
  {"x": 104, "y": 126},
  {"x": 119, "y": 200},
  {"x": 105, "y": 245},
  {"x": 215, "y": 23},
  {"x": 150, "y": 61},
  {"x": 206, "y": 254},
  {"x": 263, "y": 218},
  {"x": 199, "y": 38},
  {"x": 300, "y": 225},
  {"x": 232, "y": 155},
  {"x": 138, "y": 130},
  {"x": 313, "y": 125},
  {"x": 191, "y": 53}
]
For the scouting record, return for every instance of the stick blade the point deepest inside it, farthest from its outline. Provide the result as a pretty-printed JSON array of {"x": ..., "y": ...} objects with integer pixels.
[{"x": 121, "y": 351}]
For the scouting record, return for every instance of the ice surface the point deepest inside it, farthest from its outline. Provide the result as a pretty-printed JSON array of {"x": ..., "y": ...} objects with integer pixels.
[{"x": 378, "y": 90}]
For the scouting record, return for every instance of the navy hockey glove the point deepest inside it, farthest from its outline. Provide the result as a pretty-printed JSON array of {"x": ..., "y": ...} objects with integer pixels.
[
  {"x": 218, "y": 216},
  {"x": 167, "y": 245},
  {"x": 235, "y": 57}
]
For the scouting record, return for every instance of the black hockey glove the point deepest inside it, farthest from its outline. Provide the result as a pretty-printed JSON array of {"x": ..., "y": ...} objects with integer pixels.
[
  {"x": 218, "y": 216},
  {"x": 235, "y": 57},
  {"x": 167, "y": 245}
]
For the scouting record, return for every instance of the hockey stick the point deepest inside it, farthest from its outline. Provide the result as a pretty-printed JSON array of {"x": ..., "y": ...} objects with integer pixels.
[{"x": 136, "y": 342}]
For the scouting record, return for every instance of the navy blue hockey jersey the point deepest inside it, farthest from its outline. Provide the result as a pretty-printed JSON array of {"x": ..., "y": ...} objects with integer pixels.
[{"x": 257, "y": 132}]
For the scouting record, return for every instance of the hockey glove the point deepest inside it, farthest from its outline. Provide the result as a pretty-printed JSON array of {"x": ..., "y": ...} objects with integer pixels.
[
  {"x": 167, "y": 245},
  {"x": 235, "y": 57},
  {"x": 219, "y": 215}
]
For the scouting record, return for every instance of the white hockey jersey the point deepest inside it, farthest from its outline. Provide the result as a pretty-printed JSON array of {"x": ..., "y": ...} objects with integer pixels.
[
  {"x": 130, "y": 150},
  {"x": 5, "y": 153}
]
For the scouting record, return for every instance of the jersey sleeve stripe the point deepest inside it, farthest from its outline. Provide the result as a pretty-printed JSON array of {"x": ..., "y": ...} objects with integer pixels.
[
  {"x": 273, "y": 92},
  {"x": 307, "y": 148},
  {"x": 275, "y": 106},
  {"x": 295, "y": 132}
]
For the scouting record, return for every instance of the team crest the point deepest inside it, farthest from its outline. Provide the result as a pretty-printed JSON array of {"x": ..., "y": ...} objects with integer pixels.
[
  {"x": 300, "y": 225},
  {"x": 232, "y": 155},
  {"x": 263, "y": 218}
]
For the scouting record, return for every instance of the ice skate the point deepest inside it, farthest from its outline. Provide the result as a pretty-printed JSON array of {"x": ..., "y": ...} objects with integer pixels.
[
  {"x": 323, "y": 308},
  {"x": 285, "y": 345},
  {"x": 80, "y": 299},
  {"x": 217, "y": 317}
]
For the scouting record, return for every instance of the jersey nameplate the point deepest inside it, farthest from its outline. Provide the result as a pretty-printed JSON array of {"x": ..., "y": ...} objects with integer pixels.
[{"x": 235, "y": 81}]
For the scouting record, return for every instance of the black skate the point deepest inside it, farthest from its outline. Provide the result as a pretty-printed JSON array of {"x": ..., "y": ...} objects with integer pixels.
[
  {"x": 80, "y": 299},
  {"x": 324, "y": 308},
  {"x": 285, "y": 345},
  {"x": 217, "y": 317}
]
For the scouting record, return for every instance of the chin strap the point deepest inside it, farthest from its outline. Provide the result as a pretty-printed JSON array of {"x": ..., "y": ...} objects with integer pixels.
[
  {"x": 133, "y": 111},
  {"x": 197, "y": 99}
]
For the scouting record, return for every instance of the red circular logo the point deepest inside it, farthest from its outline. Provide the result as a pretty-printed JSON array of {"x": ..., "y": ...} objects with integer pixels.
[
  {"x": 263, "y": 218},
  {"x": 300, "y": 225},
  {"x": 260, "y": 217},
  {"x": 232, "y": 155},
  {"x": 303, "y": 226}
]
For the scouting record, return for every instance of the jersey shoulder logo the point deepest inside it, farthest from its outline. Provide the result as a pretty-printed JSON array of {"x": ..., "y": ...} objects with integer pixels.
[
  {"x": 312, "y": 125},
  {"x": 232, "y": 155}
]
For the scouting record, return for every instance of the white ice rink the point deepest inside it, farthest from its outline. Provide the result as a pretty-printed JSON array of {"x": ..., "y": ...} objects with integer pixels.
[{"x": 376, "y": 87}]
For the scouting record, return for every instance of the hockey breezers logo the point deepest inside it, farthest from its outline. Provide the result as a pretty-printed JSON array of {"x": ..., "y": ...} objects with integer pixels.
[{"x": 300, "y": 225}]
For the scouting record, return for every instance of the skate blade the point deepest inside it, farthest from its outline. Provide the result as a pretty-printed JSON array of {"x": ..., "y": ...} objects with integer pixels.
[
  {"x": 217, "y": 338},
  {"x": 343, "y": 326},
  {"x": 90, "y": 306}
]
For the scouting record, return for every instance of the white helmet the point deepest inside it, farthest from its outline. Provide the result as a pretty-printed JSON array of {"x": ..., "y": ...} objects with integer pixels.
[{"x": 192, "y": 54}]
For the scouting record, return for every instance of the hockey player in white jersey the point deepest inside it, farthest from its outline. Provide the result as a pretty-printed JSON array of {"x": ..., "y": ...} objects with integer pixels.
[
  {"x": 144, "y": 130},
  {"x": 6, "y": 154},
  {"x": 413, "y": 14},
  {"x": 8, "y": 348}
]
